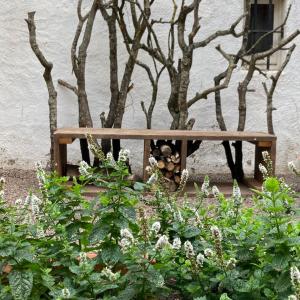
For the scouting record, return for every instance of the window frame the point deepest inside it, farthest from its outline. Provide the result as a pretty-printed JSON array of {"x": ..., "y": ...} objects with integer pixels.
[{"x": 274, "y": 61}]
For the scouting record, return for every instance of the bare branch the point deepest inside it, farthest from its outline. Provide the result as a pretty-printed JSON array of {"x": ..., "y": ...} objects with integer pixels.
[
  {"x": 68, "y": 86},
  {"x": 48, "y": 66},
  {"x": 224, "y": 85},
  {"x": 220, "y": 33},
  {"x": 270, "y": 92}
]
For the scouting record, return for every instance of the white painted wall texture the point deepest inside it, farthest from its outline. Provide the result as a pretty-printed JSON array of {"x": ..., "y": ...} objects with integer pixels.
[{"x": 24, "y": 133}]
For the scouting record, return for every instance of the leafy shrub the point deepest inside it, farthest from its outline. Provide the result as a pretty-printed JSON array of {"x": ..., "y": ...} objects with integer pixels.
[{"x": 61, "y": 245}]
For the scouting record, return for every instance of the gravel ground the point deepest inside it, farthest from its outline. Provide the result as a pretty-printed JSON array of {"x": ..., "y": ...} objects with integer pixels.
[{"x": 18, "y": 183}]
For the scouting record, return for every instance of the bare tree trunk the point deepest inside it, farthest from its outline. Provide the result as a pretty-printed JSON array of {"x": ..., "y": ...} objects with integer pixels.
[{"x": 48, "y": 66}]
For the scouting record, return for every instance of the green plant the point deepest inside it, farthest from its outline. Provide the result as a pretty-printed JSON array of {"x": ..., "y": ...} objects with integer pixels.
[{"x": 58, "y": 244}]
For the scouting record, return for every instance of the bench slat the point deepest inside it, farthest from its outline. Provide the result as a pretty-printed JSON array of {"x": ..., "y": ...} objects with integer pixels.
[{"x": 113, "y": 133}]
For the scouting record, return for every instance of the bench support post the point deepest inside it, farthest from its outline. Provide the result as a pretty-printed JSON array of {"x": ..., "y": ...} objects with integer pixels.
[
  {"x": 259, "y": 149},
  {"x": 147, "y": 146},
  {"x": 60, "y": 157},
  {"x": 183, "y": 154}
]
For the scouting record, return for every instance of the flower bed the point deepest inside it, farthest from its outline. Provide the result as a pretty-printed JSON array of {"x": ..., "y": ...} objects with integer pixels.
[{"x": 58, "y": 245}]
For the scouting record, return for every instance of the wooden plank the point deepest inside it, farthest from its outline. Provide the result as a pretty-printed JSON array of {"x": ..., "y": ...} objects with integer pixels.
[
  {"x": 146, "y": 158},
  {"x": 115, "y": 133}
]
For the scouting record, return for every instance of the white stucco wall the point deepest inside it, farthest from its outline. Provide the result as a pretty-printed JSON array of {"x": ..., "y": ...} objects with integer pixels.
[{"x": 24, "y": 133}]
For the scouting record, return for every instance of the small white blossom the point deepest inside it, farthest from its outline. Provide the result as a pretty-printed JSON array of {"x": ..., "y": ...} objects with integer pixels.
[
  {"x": 263, "y": 170},
  {"x": 125, "y": 244},
  {"x": 176, "y": 244},
  {"x": 215, "y": 191},
  {"x": 265, "y": 155},
  {"x": 126, "y": 233},
  {"x": 156, "y": 227},
  {"x": 40, "y": 174},
  {"x": 19, "y": 202},
  {"x": 189, "y": 249},
  {"x": 110, "y": 158},
  {"x": 152, "y": 179},
  {"x": 82, "y": 258},
  {"x": 184, "y": 177},
  {"x": 40, "y": 233},
  {"x": 292, "y": 297},
  {"x": 231, "y": 263},
  {"x": 160, "y": 282},
  {"x": 85, "y": 169},
  {"x": 152, "y": 162},
  {"x": 33, "y": 202},
  {"x": 236, "y": 194},
  {"x": 295, "y": 277},
  {"x": 200, "y": 259},
  {"x": 292, "y": 167},
  {"x": 124, "y": 155},
  {"x": 178, "y": 216},
  {"x": 66, "y": 293},
  {"x": 216, "y": 232},
  {"x": 111, "y": 276},
  {"x": 148, "y": 169},
  {"x": 205, "y": 186},
  {"x": 162, "y": 242},
  {"x": 208, "y": 252}
]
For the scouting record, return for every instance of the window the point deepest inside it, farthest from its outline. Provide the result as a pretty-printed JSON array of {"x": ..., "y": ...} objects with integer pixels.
[{"x": 265, "y": 16}]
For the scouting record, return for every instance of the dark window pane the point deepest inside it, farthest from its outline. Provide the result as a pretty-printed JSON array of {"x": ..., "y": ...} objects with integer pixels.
[{"x": 261, "y": 21}]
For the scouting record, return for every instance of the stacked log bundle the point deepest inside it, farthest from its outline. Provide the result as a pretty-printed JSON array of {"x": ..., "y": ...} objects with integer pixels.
[{"x": 167, "y": 155}]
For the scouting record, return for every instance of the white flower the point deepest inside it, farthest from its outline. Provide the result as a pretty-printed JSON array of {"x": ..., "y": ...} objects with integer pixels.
[
  {"x": 216, "y": 232},
  {"x": 85, "y": 169},
  {"x": 189, "y": 249},
  {"x": 295, "y": 276},
  {"x": 124, "y": 155},
  {"x": 126, "y": 233},
  {"x": 236, "y": 194},
  {"x": 205, "y": 186},
  {"x": 148, "y": 169},
  {"x": 152, "y": 179},
  {"x": 156, "y": 227},
  {"x": 2, "y": 183},
  {"x": 200, "y": 259},
  {"x": 124, "y": 244},
  {"x": 40, "y": 174},
  {"x": 292, "y": 297},
  {"x": 66, "y": 293},
  {"x": 215, "y": 191},
  {"x": 184, "y": 177},
  {"x": 159, "y": 282},
  {"x": 292, "y": 167},
  {"x": 265, "y": 155},
  {"x": 111, "y": 276},
  {"x": 110, "y": 158},
  {"x": 162, "y": 242},
  {"x": 33, "y": 202},
  {"x": 231, "y": 263},
  {"x": 263, "y": 170},
  {"x": 152, "y": 162},
  {"x": 208, "y": 252},
  {"x": 82, "y": 258},
  {"x": 178, "y": 217},
  {"x": 19, "y": 202},
  {"x": 40, "y": 233},
  {"x": 176, "y": 244}
]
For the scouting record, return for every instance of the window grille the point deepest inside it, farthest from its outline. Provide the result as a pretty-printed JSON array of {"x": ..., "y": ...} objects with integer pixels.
[{"x": 262, "y": 21}]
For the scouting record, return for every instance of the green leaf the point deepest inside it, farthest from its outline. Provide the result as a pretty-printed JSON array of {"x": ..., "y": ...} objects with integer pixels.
[
  {"x": 191, "y": 232},
  {"x": 283, "y": 282},
  {"x": 106, "y": 288},
  {"x": 111, "y": 254},
  {"x": 21, "y": 284},
  {"x": 99, "y": 232},
  {"x": 272, "y": 185}
]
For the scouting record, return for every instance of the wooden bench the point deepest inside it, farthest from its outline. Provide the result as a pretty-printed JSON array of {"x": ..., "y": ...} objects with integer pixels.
[{"x": 65, "y": 136}]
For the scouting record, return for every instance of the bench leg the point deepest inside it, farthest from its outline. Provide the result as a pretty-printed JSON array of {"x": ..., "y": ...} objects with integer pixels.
[
  {"x": 147, "y": 146},
  {"x": 259, "y": 158},
  {"x": 183, "y": 154},
  {"x": 60, "y": 158}
]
